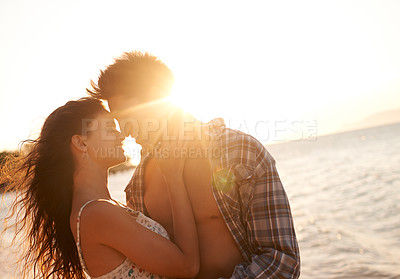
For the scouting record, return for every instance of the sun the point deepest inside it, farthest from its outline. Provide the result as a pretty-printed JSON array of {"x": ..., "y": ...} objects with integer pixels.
[{"x": 187, "y": 99}]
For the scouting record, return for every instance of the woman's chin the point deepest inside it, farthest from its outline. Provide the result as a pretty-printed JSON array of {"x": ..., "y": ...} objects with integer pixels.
[
  {"x": 111, "y": 157},
  {"x": 119, "y": 161},
  {"x": 114, "y": 161}
]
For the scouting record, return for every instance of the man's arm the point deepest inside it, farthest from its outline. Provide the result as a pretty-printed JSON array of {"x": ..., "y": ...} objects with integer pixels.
[{"x": 269, "y": 223}]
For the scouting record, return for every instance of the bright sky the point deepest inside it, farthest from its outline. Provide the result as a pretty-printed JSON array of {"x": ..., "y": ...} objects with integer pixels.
[{"x": 267, "y": 67}]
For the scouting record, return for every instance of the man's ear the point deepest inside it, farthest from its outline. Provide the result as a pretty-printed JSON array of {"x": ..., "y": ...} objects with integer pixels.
[{"x": 79, "y": 142}]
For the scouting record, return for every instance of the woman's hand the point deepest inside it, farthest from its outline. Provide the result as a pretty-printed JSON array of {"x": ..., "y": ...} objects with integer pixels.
[{"x": 171, "y": 160}]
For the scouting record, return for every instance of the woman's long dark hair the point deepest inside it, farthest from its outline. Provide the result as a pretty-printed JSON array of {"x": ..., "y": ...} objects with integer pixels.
[{"x": 42, "y": 176}]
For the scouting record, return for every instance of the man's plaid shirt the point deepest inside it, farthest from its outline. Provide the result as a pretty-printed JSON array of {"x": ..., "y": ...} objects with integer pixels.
[{"x": 252, "y": 200}]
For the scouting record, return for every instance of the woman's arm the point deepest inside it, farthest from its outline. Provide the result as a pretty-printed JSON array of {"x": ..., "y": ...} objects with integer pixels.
[
  {"x": 184, "y": 226},
  {"x": 113, "y": 226}
]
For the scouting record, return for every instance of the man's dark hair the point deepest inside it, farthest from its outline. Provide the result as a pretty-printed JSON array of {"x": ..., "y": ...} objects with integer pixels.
[{"x": 134, "y": 74}]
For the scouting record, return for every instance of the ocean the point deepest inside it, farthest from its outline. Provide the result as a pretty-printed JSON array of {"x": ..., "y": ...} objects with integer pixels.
[{"x": 344, "y": 191}]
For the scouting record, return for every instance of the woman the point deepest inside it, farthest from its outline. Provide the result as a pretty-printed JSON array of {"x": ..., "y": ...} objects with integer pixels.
[{"x": 66, "y": 214}]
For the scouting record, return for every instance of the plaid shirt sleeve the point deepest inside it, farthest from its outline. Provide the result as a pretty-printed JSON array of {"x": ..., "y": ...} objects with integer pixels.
[{"x": 267, "y": 220}]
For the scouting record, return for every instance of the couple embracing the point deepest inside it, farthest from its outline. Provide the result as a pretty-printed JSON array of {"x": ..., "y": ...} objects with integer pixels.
[{"x": 204, "y": 202}]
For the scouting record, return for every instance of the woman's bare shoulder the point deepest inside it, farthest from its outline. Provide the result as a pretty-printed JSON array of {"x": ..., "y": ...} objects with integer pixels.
[{"x": 103, "y": 214}]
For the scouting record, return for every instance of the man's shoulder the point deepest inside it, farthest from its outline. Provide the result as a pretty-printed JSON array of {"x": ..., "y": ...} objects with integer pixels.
[
  {"x": 238, "y": 140},
  {"x": 236, "y": 136},
  {"x": 243, "y": 149}
]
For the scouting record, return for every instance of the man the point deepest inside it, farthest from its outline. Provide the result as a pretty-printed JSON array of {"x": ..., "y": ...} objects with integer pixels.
[{"x": 242, "y": 213}]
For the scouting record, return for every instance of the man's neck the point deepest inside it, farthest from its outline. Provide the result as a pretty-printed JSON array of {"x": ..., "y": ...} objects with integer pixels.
[{"x": 173, "y": 127}]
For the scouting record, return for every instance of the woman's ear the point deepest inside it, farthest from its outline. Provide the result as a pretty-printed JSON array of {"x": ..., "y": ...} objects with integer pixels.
[{"x": 79, "y": 142}]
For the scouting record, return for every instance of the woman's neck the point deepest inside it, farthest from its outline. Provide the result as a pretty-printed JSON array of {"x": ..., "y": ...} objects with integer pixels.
[{"x": 90, "y": 182}]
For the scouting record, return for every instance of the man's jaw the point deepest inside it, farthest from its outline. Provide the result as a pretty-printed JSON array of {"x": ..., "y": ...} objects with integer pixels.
[{"x": 149, "y": 142}]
